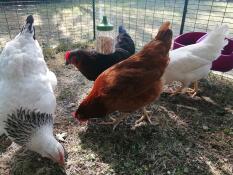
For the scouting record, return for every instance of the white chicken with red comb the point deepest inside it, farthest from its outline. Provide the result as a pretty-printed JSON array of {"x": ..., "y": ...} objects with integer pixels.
[{"x": 27, "y": 100}]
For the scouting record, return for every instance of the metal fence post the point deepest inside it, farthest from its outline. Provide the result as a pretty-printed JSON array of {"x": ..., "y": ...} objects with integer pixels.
[
  {"x": 93, "y": 9},
  {"x": 184, "y": 16}
]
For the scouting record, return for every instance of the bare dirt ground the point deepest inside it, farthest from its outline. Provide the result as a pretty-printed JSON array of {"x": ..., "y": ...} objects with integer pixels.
[{"x": 188, "y": 136}]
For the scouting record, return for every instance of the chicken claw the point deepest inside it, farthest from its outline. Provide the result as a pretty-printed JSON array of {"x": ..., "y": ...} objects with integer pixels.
[
  {"x": 193, "y": 92},
  {"x": 178, "y": 90},
  {"x": 145, "y": 117},
  {"x": 190, "y": 91},
  {"x": 114, "y": 122}
]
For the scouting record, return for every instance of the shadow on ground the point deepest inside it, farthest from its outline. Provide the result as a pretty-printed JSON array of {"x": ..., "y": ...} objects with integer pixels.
[{"x": 190, "y": 136}]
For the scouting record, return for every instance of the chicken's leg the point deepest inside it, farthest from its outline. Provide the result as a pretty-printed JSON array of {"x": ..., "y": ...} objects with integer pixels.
[
  {"x": 115, "y": 121},
  {"x": 145, "y": 117},
  {"x": 193, "y": 91},
  {"x": 178, "y": 90}
]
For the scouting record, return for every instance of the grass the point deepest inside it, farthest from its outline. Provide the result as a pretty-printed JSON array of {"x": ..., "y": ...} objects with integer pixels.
[
  {"x": 49, "y": 52},
  {"x": 188, "y": 135},
  {"x": 27, "y": 162}
]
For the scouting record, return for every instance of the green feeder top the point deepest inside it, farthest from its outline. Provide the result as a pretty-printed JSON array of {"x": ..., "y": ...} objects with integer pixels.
[{"x": 104, "y": 25}]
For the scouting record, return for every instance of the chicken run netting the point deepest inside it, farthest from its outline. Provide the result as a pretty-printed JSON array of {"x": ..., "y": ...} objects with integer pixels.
[{"x": 71, "y": 21}]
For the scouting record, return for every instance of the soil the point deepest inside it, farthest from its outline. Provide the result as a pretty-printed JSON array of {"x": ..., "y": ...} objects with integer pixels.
[{"x": 188, "y": 135}]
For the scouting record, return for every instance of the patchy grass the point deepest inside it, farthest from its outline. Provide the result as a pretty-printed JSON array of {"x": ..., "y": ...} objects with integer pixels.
[
  {"x": 72, "y": 21},
  {"x": 49, "y": 53},
  {"x": 28, "y": 163},
  {"x": 188, "y": 136},
  {"x": 65, "y": 93},
  {"x": 64, "y": 47}
]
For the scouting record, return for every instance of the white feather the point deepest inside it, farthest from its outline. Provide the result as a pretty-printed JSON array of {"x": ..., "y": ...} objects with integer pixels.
[
  {"x": 25, "y": 80},
  {"x": 193, "y": 62}
]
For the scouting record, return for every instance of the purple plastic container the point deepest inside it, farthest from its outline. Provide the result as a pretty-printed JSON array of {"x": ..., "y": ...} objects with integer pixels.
[
  {"x": 187, "y": 39},
  {"x": 223, "y": 63}
]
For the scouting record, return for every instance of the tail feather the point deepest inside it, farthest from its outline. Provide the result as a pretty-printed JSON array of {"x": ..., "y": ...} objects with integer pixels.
[
  {"x": 224, "y": 29},
  {"x": 121, "y": 29},
  {"x": 217, "y": 35},
  {"x": 164, "y": 33},
  {"x": 216, "y": 40}
]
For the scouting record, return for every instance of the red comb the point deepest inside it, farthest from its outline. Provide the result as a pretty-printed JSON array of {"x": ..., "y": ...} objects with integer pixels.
[{"x": 67, "y": 55}]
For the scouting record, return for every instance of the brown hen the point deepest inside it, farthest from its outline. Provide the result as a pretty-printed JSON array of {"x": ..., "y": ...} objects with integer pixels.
[{"x": 130, "y": 84}]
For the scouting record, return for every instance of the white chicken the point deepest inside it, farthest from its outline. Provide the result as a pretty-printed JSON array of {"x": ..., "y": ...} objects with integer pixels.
[
  {"x": 26, "y": 84},
  {"x": 191, "y": 63}
]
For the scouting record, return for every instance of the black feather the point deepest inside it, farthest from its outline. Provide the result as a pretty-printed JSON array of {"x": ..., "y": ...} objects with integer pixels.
[{"x": 22, "y": 124}]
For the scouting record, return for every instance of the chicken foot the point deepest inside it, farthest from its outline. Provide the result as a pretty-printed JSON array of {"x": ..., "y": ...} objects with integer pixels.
[
  {"x": 190, "y": 91},
  {"x": 193, "y": 92},
  {"x": 145, "y": 117},
  {"x": 115, "y": 121},
  {"x": 178, "y": 90}
]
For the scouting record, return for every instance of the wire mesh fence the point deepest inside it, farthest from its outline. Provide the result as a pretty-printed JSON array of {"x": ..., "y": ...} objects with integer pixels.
[
  {"x": 71, "y": 21},
  {"x": 141, "y": 18},
  {"x": 204, "y": 15},
  {"x": 55, "y": 21}
]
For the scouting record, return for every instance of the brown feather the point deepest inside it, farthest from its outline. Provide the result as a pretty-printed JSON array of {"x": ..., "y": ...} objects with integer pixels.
[{"x": 132, "y": 83}]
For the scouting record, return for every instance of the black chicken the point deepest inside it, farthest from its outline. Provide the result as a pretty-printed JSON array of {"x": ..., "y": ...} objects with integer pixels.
[{"x": 91, "y": 63}]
